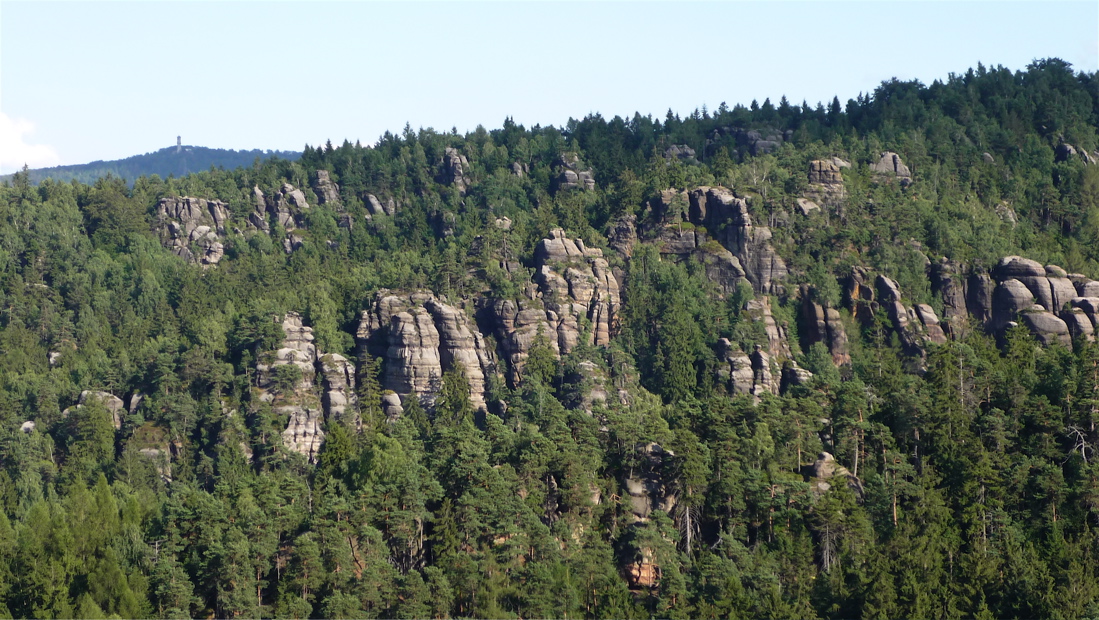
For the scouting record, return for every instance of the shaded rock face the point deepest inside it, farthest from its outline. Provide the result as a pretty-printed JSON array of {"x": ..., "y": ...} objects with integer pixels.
[
  {"x": 734, "y": 370},
  {"x": 647, "y": 489},
  {"x": 193, "y": 228},
  {"x": 623, "y": 235},
  {"x": 890, "y": 164},
  {"x": 760, "y": 370},
  {"x": 572, "y": 175},
  {"x": 374, "y": 206},
  {"x": 824, "y": 325},
  {"x": 419, "y": 337},
  {"x": 327, "y": 192},
  {"x": 825, "y": 183},
  {"x": 304, "y": 432},
  {"x": 455, "y": 170},
  {"x": 573, "y": 287},
  {"x": 338, "y": 398},
  {"x": 257, "y": 219},
  {"x": 915, "y": 325},
  {"x": 751, "y": 141},
  {"x": 681, "y": 152},
  {"x": 726, "y": 217},
  {"x": 113, "y": 404}
]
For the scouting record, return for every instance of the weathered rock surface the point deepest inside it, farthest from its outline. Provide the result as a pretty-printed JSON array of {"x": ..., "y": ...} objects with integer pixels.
[
  {"x": 572, "y": 175},
  {"x": 825, "y": 325},
  {"x": 339, "y": 398},
  {"x": 304, "y": 432},
  {"x": 113, "y": 404},
  {"x": 326, "y": 190},
  {"x": 455, "y": 169},
  {"x": 647, "y": 488},
  {"x": 681, "y": 152},
  {"x": 890, "y": 164},
  {"x": 1046, "y": 326},
  {"x": 192, "y": 228},
  {"x": 825, "y": 183},
  {"x": 419, "y": 337},
  {"x": 727, "y": 218},
  {"x": 623, "y": 235}
]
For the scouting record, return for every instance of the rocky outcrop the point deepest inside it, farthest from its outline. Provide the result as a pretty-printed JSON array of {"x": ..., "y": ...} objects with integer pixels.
[
  {"x": 328, "y": 193},
  {"x": 257, "y": 218},
  {"x": 623, "y": 235},
  {"x": 825, "y": 325},
  {"x": 734, "y": 370},
  {"x": 573, "y": 286},
  {"x": 760, "y": 370},
  {"x": 647, "y": 488},
  {"x": 192, "y": 228},
  {"x": 113, "y": 404},
  {"x": 419, "y": 337},
  {"x": 571, "y": 175},
  {"x": 338, "y": 399},
  {"x": 826, "y": 469},
  {"x": 456, "y": 169},
  {"x": 304, "y": 432},
  {"x": 1046, "y": 326},
  {"x": 825, "y": 184},
  {"x": 917, "y": 325},
  {"x": 890, "y": 165},
  {"x": 727, "y": 218},
  {"x": 575, "y": 281},
  {"x": 682, "y": 152},
  {"x": 374, "y": 206}
]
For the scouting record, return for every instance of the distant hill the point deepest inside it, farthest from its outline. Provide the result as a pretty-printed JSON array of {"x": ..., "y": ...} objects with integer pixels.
[{"x": 173, "y": 160}]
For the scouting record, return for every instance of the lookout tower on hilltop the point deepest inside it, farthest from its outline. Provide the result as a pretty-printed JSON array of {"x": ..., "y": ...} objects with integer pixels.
[{"x": 179, "y": 143}]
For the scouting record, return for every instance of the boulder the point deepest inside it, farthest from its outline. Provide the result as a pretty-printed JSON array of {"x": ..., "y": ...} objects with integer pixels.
[
  {"x": 1017, "y": 267},
  {"x": 1008, "y": 299},
  {"x": 1080, "y": 325},
  {"x": 113, "y": 404},
  {"x": 1046, "y": 326},
  {"x": 807, "y": 206}
]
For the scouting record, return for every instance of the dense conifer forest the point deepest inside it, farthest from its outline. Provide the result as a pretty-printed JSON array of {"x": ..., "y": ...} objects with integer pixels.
[{"x": 782, "y": 360}]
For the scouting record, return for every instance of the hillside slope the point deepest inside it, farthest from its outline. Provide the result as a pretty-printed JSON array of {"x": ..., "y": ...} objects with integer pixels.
[
  {"x": 171, "y": 161},
  {"x": 764, "y": 361}
]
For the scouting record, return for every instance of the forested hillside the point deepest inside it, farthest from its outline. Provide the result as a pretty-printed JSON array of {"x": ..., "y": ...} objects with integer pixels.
[
  {"x": 172, "y": 161},
  {"x": 769, "y": 361}
]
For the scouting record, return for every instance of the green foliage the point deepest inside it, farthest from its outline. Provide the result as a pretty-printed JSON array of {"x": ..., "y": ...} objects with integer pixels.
[{"x": 967, "y": 483}]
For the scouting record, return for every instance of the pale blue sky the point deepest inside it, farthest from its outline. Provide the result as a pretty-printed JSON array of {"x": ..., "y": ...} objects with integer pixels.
[{"x": 89, "y": 80}]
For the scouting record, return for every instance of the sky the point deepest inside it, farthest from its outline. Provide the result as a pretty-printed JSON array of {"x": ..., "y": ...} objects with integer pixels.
[{"x": 86, "y": 81}]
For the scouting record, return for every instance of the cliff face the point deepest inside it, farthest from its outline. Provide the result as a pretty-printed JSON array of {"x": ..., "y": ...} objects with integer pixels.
[{"x": 418, "y": 337}]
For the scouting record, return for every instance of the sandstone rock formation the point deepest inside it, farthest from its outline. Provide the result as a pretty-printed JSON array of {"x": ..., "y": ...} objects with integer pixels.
[
  {"x": 110, "y": 401},
  {"x": 648, "y": 489},
  {"x": 891, "y": 165},
  {"x": 419, "y": 337},
  {"x": 455, "y": 170},
  {"x": 726, "y": 217},
  {"x": 192, "y": 228},
  {"x": 304, "y": 433},
  {"x": 571, "y": 175},
  {"x": 326, "y": 190},
  {"x": 825, "y": 184},
  {"x": 681, "y": 152},
  {"x": 825, "y": 325}
]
